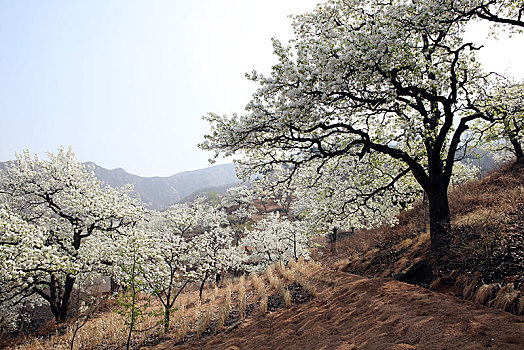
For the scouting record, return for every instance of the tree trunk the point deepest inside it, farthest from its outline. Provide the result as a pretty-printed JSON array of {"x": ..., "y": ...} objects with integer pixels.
[
  {"x": 167, "y": 316},
  {"x": 202, "y": 286},
  {"x": 64, "y": 303},
  {"x": 439, "y": 218},
  {"x": 517, "y": 147}
]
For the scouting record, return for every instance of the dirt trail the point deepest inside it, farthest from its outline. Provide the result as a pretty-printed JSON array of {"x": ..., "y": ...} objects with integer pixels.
[{"x": 353, "y": 312}]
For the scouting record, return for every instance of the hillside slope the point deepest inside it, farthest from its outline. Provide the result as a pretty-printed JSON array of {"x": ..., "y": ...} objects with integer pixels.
[
  {"x": 354, "y": 312},
  {"x": 485, "y": 259}
]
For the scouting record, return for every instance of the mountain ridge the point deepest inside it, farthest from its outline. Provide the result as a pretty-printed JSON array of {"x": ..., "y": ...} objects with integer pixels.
[{"x": 158, "y": 192}]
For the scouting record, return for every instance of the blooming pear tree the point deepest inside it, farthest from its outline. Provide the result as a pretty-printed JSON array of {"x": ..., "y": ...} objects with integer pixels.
[
  {"x": 239, "y": 201},
  {"x": 69, "y": 219},
  {"x": 501, "y": 12},
  {"x": 274, "y": 239},
  {"x": 364, "y": 78},
  {"x": 181, "y": 218},
  {"x": 352, "y": 193},
  {"x": 208, "y": 215},
  {"x": 164, "y": 265},
  {"x": 504, "y": 124},
  {"x": 216, "y": 253}
]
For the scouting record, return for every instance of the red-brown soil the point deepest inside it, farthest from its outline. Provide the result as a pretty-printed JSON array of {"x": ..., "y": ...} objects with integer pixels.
[{"x": 353, "y": 312}]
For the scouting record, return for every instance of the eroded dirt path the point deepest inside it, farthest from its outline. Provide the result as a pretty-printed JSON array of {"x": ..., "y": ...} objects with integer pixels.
[{"x": 353, "y": 312}]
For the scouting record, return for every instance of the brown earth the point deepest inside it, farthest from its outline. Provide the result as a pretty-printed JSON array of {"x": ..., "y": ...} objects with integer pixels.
[{"x": 354, "y": 312}]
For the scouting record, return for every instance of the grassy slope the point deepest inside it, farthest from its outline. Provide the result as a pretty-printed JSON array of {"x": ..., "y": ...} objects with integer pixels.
[{"x": 487, "y": 247}]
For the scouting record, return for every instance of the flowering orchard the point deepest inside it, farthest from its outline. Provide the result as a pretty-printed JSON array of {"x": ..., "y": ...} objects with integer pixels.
[{"x": 60, "y": 228}]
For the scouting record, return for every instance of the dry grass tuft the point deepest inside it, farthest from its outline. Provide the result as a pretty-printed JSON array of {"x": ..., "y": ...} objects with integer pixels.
[
  {"x": 202, "y": 324},
  {"x": 292, "y": 264},
  {"x": 271, "y": 277},
  {"x": 222, "y": 317},
  {"x": 107, "y": 331},
  {"x": 460, "y": 284},
  {"x": 281, "y": 268},
  {"x": 259, "y": 286},
  {"x": 435, "y": 284},
  {"x": 506, "y": 299},
  {"x": 287, "y": 298},
  {"x": 263, "y": 304},
  {"x": 471, "y": 287},
  {"x": 520, "y": 305},
  {"x": 182, "y": 324},
  {"x": 242, "y": 301},
  {"x": 241, "y": 281},
  {"x": 485, "y": 293},
  {"x": 341, "y": 265}
]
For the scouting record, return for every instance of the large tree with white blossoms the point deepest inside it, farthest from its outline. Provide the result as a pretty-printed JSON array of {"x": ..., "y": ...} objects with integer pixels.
[
  {"x": 68, "y": 216},
  {"x": 365, "y": 78}
]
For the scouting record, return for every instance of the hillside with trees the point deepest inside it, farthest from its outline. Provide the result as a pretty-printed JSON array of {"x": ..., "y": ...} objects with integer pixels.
[{"x": 358, "y": 155}]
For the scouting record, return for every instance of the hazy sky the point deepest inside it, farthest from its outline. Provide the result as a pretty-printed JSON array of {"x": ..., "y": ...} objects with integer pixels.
[{"x": 126, "y": 82}]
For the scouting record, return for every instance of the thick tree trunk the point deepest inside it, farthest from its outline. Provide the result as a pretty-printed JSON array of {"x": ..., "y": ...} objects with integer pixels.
[
  {"x": 517, "y": 147},
  {"x": 439, "y": 218},
  {"x": 64, "y": 303}
]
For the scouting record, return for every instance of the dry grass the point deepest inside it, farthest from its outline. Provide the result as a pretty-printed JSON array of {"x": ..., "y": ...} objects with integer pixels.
[
  {"x": 259, "y": 285},
  {"x": 263, "y": 304},
  {"x": 203, "y": 322},
  {"x": 287, "y": 298},
  {"x": 471, "y": 287},
  {"x": 485, "y": 293},
  {"x": 507, "y": 299},
  {"x": 182, "y": 324},
  {"x": 193, "y": 317},
  {"x": 520, "y": 305},
  {"x": 242, "y": 301},
  {"x": 271, "y": 277},
  {"x": 103, "y": 332}
]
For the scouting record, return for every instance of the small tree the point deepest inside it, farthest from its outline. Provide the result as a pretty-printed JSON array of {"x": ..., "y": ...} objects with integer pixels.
[
  {"x": 276, "y": 239},
  {"x": 239, "y": 201},
  {"x": 170, "y": 264},
  {"x": 181, "y": 218}
]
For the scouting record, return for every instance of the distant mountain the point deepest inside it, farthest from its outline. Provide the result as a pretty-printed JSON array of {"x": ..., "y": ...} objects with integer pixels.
[
  {"x": 161, "y": 192},
  {"x": 164, "y": 191}
]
